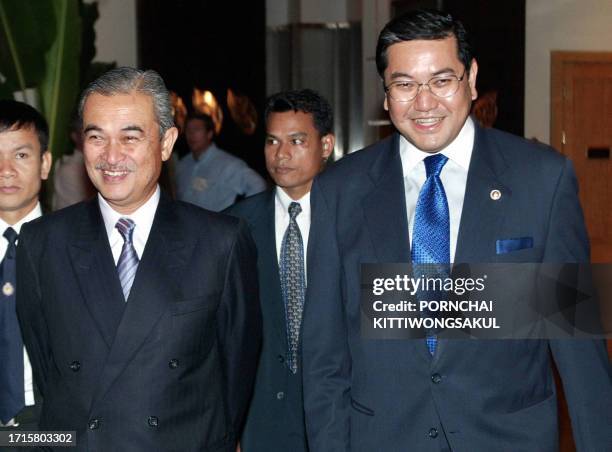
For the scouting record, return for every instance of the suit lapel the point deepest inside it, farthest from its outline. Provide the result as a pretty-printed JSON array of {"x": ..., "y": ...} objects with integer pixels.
[
  {"x": 154, "y": 288},
  {"x": 386, "y": 218},
  {"x": 385, "y": 206},
  {"x": 482, "y": 216},
  {"x": 94, "y": 267},
  {"x": 264, "y": 232}
]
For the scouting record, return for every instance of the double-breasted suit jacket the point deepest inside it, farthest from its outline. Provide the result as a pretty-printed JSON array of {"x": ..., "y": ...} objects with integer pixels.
[{"x": 172, "y": 368}]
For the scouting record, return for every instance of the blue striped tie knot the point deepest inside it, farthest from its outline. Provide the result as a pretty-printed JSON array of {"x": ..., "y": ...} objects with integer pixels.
[{"x": 125, "y": 226}]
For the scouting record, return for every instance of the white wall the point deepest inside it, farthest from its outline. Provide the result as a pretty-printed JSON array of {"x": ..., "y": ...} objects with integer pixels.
[
  {"x": 116, "y": 32},
  {"x": 558, "y": 25}
]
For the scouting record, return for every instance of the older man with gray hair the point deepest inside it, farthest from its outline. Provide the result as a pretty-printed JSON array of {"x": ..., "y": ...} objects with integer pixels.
[{"x": 140, "y": 314}]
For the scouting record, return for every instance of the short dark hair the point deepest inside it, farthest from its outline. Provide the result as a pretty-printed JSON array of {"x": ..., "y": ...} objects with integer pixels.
[
  {"x": 423, "y": 25},
  {"x": 306, "y": 101},
  {"x": 16, "y": 115},
  {"x": 209, "y": 124}
]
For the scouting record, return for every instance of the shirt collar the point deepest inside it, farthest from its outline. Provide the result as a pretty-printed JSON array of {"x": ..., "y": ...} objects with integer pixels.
[
  {"x": 34, "y": 214},
  {"x": 143, "y": 216},
  {"x": 283, "y": 200},
  {"x": 459, "y": 150}
]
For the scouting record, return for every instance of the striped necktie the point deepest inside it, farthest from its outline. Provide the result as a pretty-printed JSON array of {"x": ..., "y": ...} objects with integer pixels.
[{"x": 128, "y": 260}]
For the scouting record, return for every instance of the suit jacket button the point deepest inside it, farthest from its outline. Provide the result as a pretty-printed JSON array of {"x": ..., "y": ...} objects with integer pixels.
[
  {"x": 94, "y": 424},
  {"x": 280, "y": 395},
  {"x": 433, "y": 432},
  {"x": 436, "y": 378},
  {"x": 173, "y": 363},
  {"x": 75, "y": 366},
  {"x": 281, "y": 359},
  {"x": 153, "y": 421}
]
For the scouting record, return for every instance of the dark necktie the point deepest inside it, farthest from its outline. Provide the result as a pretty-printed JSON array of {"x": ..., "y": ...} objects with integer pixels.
[
  {"x": 128, "y": 260},
  {"x": 431, "y": 231},
  {"x": 11, "y": 349},
  {"x": 293, "y": 284}
]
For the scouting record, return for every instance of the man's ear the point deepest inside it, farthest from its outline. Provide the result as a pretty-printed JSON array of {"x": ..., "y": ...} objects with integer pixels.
[
  {"x": 328, "y": 141},
  {"x": 472, "y": 78},
  {"x": 45, "y": 166},
  {"x": 168, "y": 142}
]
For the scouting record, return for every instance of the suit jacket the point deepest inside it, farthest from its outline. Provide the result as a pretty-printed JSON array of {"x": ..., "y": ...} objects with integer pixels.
[
  {"x": 473, "y": 395},
  {"x": 171, "y": 369},
  {"x": 275, "y": 419}
]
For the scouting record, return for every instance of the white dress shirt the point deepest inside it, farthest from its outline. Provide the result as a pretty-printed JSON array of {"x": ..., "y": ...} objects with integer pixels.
[
  {"x": 142, "y": 217},
  {"x": 454, "y": 177},
  {"x": 281, "y": 220},
  {"x": 27, "y": 368}
]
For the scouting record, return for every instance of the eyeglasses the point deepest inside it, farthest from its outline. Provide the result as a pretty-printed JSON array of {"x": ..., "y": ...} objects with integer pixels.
[{"x": 439, "y": 86}]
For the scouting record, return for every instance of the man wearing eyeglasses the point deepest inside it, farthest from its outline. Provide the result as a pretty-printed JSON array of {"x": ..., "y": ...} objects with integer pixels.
[{"x": 441, "y": 190}]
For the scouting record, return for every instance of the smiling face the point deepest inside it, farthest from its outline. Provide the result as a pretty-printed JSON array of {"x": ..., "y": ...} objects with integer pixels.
[
  {"x": 122, "y": 148},
  {"x": 430, "y": 123},
  {"x": 22, "y": 168},
  {"x": 295, "y": 151}
]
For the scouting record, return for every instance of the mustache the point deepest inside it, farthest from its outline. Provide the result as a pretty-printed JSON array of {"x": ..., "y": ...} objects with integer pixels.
[{"x": 105, "y": 166}]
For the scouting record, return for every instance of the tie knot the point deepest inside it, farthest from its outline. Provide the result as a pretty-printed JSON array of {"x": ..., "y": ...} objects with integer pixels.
[
  {"x": 434, "y": 164},
  {"x": 11, "y": 235},
  {"x": 125, "y": 226},
  {"x": 294, "y": 210}
]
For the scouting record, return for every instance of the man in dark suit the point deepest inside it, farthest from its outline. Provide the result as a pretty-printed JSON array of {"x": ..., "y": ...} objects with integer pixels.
[
  {"x": 299, "y": 140},
  {"x": 441, "y": 190},
  {"x": 25, "y": 162},
  {"x": 141, "y": 315}
]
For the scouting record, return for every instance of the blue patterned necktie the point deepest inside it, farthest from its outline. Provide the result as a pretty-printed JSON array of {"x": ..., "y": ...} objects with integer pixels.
[
  {"x": 12, "y": 398},
  {"x": 431, "y": 231},
  {"x": 128, "y": 260},
  {"x": 293, "y": 284}
]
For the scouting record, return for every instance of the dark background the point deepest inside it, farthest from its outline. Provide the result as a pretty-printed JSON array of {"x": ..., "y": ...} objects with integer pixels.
[
  {"x": 212, "y": 45},
  {"x": 217, "y": 45}
]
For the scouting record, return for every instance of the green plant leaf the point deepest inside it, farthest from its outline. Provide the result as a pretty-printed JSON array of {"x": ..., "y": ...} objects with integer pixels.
[
  {"x": 27, "y": 31},
  {"x": 60, "y": 86}
]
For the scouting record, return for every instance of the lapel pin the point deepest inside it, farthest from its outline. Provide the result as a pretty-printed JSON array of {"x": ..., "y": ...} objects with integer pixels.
[
  {"x": 8, "y": 289},
  {"x": 495, "y": 195}
]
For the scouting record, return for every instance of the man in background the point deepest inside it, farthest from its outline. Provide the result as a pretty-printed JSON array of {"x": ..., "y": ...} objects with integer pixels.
[
  {"x": 211, "y": 177},
  {"x": 140, "y": 313},
  {"x": 70, "y": 181},
  {"x": 24, "y": 163},
  {"x": 299, "y": 140}
]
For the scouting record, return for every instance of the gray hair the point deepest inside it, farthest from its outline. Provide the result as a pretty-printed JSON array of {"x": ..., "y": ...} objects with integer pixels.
[{"x": 125, "y": 80}]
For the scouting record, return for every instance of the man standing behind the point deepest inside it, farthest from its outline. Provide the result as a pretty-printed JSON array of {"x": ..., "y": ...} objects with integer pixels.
[
  {"x": 24, "y": 163},
  {"x": 442, "y": 190},
  {"x": 140, "y": 314},
  {"x": 299, "y": 140},
  {"x": 210, "y": 177},
  {"x": 70, "y": 181}
]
